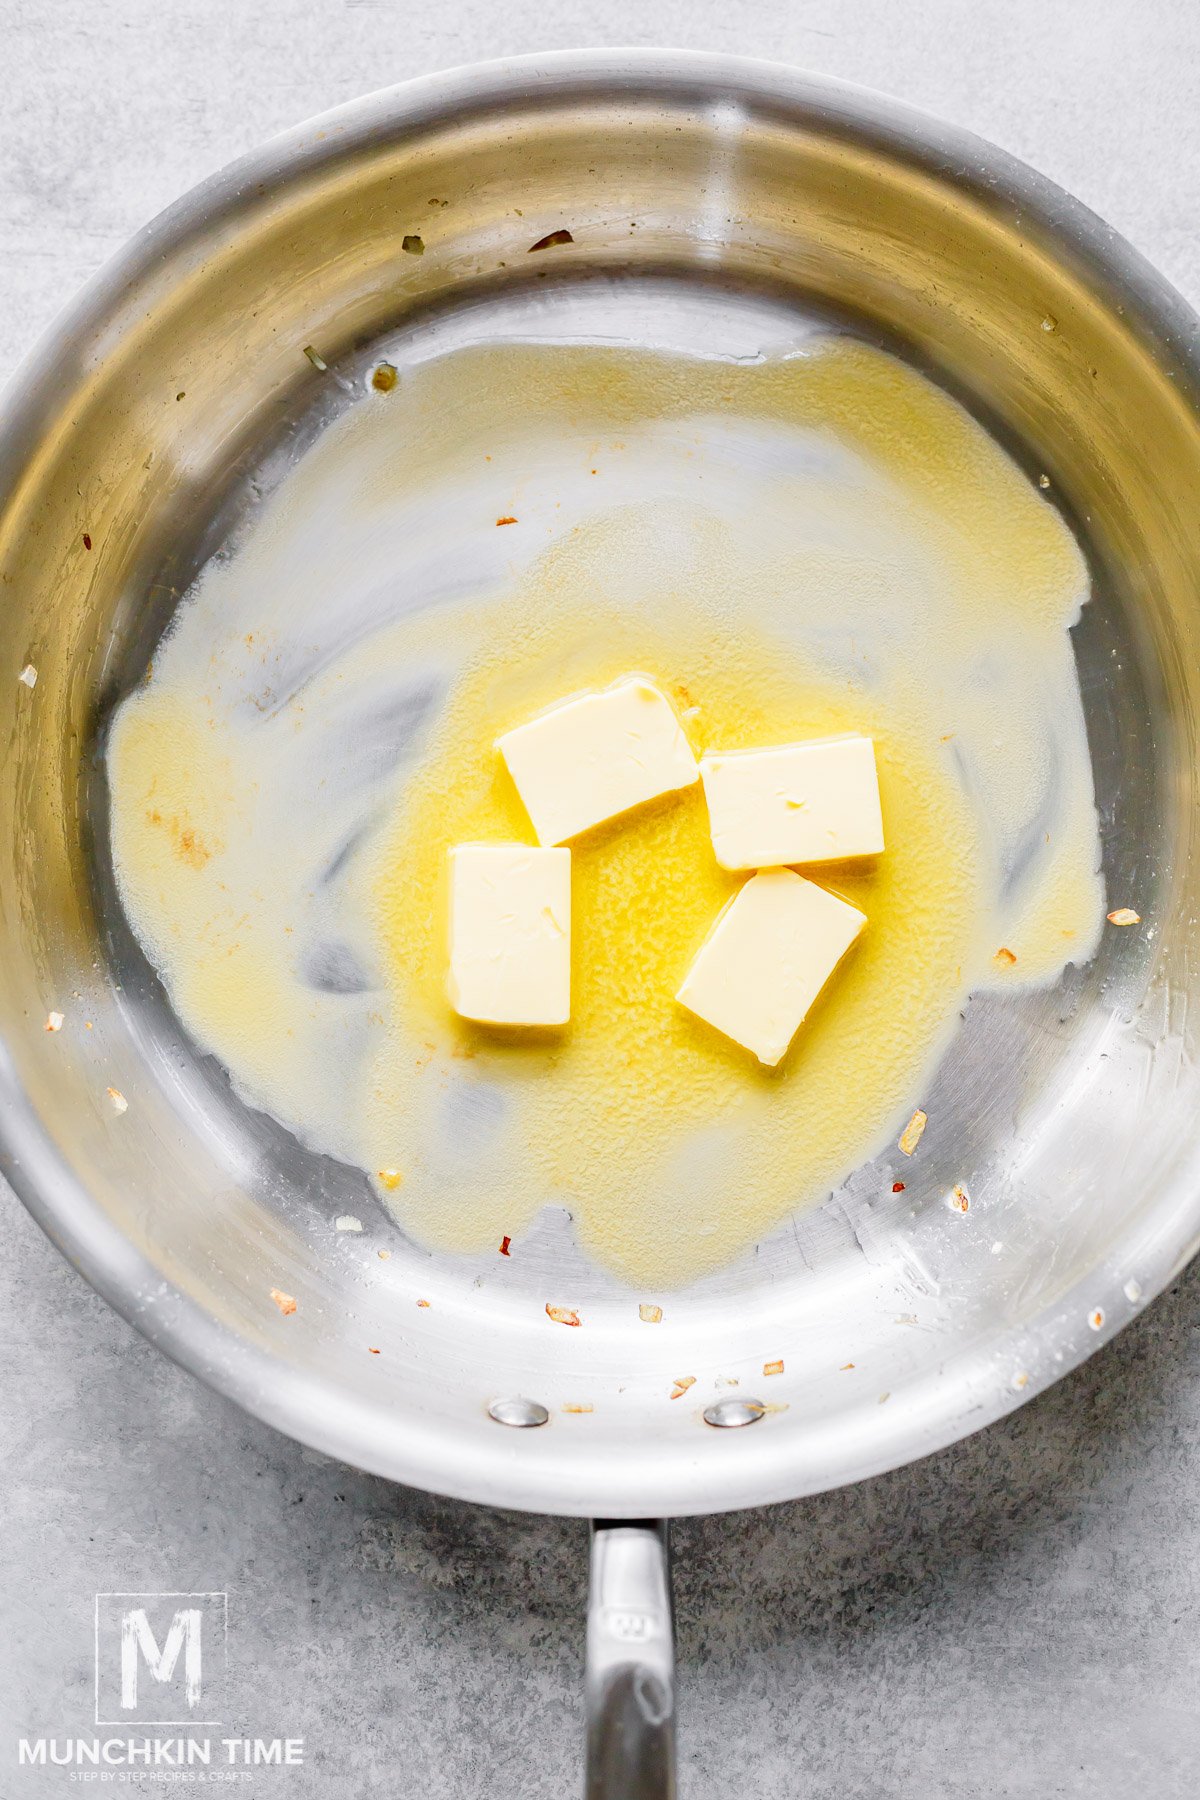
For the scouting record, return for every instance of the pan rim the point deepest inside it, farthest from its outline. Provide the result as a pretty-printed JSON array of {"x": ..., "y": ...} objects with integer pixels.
[{"x": 521, "y": 1470}]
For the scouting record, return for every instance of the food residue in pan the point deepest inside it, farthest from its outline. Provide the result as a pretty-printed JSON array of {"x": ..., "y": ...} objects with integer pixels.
[{"x": 797, "y": 546}]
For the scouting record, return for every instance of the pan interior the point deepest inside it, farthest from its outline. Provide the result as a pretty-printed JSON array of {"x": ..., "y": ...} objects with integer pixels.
[
  {"x": 898, "y": 1321},
  {"x": 797, "y": 536}
]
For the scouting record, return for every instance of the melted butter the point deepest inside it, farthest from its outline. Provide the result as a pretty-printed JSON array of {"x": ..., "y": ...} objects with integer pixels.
[{"x": 806, "y": 545}]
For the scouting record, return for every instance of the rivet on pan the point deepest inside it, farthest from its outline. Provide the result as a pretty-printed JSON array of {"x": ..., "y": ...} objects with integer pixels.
[
  {"x": 518, "y": 1412},
  {"x": 728, "y": 1413}
]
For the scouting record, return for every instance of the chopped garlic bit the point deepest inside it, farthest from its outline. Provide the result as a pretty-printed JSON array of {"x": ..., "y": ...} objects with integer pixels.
[
  {"x": 422, "y": 1303},
  {"x": 285, "y": 1302},
  {"x": 1005, "y": 957},
  {"x": 958, "y": 1199},
  {"x": 120, "y": 1103},
  {"x": 682, "y": 1384},
  {"x": 563, "y": 1315},
  {"x": 578, "y": 1406},
  {"x": 910, "y": 1137},
  {"x": 1133, "y": 1291},
  {"x": 54, "y": 1021},
  {"x": 1124, "y": 915},
  {"x": 389, "y": 1178},
  {"x": 347, "y": 1222},
  {"x": 650, "y": 1315},
  {"x": 1020, "y": 1379},
  {"x": 28, "y": 675},
  {"x": 773, "y": 1368}
]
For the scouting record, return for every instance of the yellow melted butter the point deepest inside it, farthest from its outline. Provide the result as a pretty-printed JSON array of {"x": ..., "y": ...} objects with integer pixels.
[
  {"x": 608, "y": 1108},
  {"x": 795, "y": 548}
]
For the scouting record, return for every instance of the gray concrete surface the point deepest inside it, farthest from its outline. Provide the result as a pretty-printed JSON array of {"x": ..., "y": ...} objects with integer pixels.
[{"x": 1017, "y": 1617}]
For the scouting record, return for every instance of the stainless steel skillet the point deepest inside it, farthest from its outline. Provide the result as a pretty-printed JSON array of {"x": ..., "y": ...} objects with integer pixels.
[{"x": 130, "y": 445}]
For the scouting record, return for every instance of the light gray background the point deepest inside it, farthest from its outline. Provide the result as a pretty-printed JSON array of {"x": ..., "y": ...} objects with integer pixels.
[{"x": 1017, "y": 1617}]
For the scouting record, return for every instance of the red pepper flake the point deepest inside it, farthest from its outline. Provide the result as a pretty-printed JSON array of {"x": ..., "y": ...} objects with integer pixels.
[
  {"x": 552, "y": 238},
  {"x": 960, "y": 1200},
  {"x": 506, "y": 520},
  {"x": 87, "y": 540},
  {"x": 371, "y": 1350},
  {"x": 563, "y": 1315},
  {"x": 285, "y": 1302},
  {"x": 897, "y": 1187},
  {"x": 505, "y": 1243}
]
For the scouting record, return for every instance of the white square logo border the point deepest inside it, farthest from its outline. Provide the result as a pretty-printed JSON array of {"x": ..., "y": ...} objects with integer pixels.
[{"x": 210, "y": 1600}]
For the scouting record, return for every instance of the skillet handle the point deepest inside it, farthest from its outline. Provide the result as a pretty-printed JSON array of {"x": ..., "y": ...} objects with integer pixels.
[{"x": 629, "y": 1686}]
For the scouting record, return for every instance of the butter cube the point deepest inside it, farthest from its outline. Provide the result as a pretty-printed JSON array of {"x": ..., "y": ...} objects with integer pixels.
[
  {"x": 510, "y": 934},
  {"x": 800, "y": 803},
  {"x": 592, "y": 758},
  {"x": 767, "y": 958}
]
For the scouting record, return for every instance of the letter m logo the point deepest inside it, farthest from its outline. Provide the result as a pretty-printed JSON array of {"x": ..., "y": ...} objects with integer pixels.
[{"x": 160, "y": 1658}]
